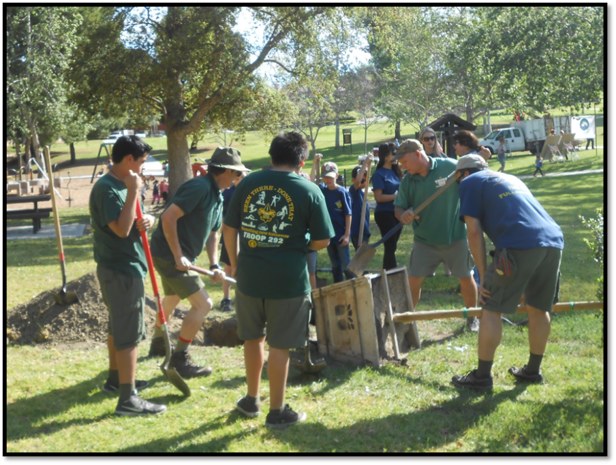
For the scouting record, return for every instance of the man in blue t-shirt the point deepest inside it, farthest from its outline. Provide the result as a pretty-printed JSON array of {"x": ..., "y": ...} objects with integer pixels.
[
  {"x": 526, "y": 263},
  {"x": 339, "y": 207}
]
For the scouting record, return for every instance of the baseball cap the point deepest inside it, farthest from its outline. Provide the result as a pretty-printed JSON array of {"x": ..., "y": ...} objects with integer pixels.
[
  {"x": 471, "y": 161},
  {"x": 409, "y": 145},
  {"x": 330, "y": 170},
  {"x": 227, "y": 157}
]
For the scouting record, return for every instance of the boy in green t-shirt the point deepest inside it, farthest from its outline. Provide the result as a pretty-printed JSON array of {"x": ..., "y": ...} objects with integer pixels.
[
  {"x": 272, "y": 212},
  {"x": 121, "y": 269},
  {"x": 189, "y": 224}
]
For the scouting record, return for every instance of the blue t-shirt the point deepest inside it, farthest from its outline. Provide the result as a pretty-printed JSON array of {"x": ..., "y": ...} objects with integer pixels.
[
  {"x": 226, "y": 199},
  {"x": 339, "y": 206},
  {"x": 357, "y": 198},
  {"x": 508, "y": 212},
  {"x": 385, "y": 179}
]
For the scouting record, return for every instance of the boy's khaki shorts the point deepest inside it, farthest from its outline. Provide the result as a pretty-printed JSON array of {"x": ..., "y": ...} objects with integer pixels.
[
  {"x": 425, "y": 259},
  {"x": 176, "y": 282},
  {"x": 286, "y": 319},
  {"x": 124, "y": 297}
]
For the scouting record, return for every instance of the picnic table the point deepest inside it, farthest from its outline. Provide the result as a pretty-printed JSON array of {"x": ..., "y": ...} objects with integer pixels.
[{"x": 35, "y": 213}]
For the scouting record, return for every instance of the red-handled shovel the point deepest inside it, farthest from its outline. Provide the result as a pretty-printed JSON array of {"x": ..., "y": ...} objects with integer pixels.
[{"x": 170, "y": 373}]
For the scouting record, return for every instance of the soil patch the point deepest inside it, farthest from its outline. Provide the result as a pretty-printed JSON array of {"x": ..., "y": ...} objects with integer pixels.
[{"x": 43, "y": 321}]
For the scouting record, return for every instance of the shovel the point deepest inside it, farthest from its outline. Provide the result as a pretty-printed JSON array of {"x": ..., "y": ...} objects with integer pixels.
[
  {"x": 364, "y": 254},
  {"x": 365, "y": 205},
  {"x": 306, "y": 366},
  {"x": 210, "y": 273},
  {"x": 63, "y": 297},
  {"x": 170, "y": 373}
]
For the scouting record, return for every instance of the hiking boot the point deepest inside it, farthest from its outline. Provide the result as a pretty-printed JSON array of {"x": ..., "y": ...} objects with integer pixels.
[
  {"x": 135, "y": 406},
  {"x": 523, "y": 376},
  {"x": 472, "y": 324},
  {"x": 157, "y": 347},
  {"x": 471, "y": 381},
  {"x": 283, "y": 417},
  {"x": 250, "y": 408},
  {"x": 225, "y": 305},
  {"x": 113, "y": 387},
  {"x": 185, "y": 367}
]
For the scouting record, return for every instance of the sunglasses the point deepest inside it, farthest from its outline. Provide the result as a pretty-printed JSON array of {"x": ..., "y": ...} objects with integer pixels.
[
  {"x": 238, "y": 174},
  {"x": 427, "y": 139}
]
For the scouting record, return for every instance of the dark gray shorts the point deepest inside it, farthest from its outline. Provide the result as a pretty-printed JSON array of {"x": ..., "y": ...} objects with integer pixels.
[
  {"x": 425, "y": 259},
  {"x": 286, "y": 319},
  {"x": 176, "y": 282},
  {"x": 124, "y": 297},
  {"x": 535, "y": 277}
]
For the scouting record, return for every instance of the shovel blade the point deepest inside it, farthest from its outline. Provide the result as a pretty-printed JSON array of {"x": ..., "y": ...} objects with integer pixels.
[
  {"x": 174, "y": 378},
  {"x": 64, "y": 298},
  {"x": 361, "y": 260},
  {"x": 307, "y": 366}
]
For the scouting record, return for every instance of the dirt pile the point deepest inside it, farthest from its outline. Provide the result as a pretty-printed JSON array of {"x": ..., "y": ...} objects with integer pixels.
[{"x": 43, "y": 321}]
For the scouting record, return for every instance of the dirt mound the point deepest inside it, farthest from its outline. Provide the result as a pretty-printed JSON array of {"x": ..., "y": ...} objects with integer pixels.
[{"x": 43, "y": 321}]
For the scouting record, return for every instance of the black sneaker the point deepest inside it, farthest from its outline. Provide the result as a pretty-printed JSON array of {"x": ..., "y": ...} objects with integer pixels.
[
  {"x": 250, "y": 408},
  {"x": 472, "y": 324},
  {"x": 471, "y": 381},
  {"x": 523, "y": 376},
  {"x": 225, "y": 305},
  {"x": 157, "y": 347},
  {"x": 185, "y": 367},
  {"x": 113, "y": 387},
  {"x": 283, "y": 417},
  {"x": 135, "y": 406}
]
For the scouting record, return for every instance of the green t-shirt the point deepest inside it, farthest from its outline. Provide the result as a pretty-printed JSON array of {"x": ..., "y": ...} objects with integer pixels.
[
  {"x": 123, "y": 255},
  {"x": 273, "y": 212},
  {"x": 438, "y": 223},
  {"x": 201, "y": 201}
]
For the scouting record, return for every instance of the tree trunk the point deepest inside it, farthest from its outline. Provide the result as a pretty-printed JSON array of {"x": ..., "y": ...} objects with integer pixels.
[
  {"x": 397, "y": 134},
  {"x": 179, "y": 158},
  {"x": 73, "y": 158},
  {"x": 489, "y": 122},
  {"x": 337, "y": 132},
  {"x": 35, "y": 146},
  {"x": 27, "y": 156},
  {"x": 365, "y": 137}
]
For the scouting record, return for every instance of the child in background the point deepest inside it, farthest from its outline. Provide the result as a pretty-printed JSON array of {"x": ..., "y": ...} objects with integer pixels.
[
  {"x": 339, "y": 207},
  {"x": 155, "y": 193},
  {"x": 356, "y": 191},
  {"x": 538, "y": 165},
  {"x": 143, "y": 189},
  {"x": 164, "y": 190}
]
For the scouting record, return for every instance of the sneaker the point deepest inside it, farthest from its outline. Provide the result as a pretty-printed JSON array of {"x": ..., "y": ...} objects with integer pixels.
[
  {"x": 135, "y": 406},
  {"x": 248, "y": 407},
  {"x": 283, "y": 417},
  {"x": 523, "y": 376},
  {"x": 471, "y": 381},
  {"x": 534, "y": 175},
  {"x": 185, "y": 367},
  {"x": 157, "y": 347},
  {"x": 225, "y": 305},
  {"x": 112, "y": 387},
  {"x": 472, "y": 324}
]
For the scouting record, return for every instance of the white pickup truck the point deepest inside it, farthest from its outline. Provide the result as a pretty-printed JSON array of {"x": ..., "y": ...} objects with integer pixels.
[{"x": 531, "y": 134}]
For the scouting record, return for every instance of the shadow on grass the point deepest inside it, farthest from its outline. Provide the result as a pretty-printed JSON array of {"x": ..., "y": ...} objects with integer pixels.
[{"x": 23, "y": 415}]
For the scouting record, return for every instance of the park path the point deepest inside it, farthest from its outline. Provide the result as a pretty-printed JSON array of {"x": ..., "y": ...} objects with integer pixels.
[{"x": 566, "y": 173}]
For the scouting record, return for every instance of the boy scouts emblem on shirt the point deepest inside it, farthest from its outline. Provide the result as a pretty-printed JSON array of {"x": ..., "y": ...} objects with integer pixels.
[
  {"x": 266, "y": 213},
  {"x": 441, "y": 182}
]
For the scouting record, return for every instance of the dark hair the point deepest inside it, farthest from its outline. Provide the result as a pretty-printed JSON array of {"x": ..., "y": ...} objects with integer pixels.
[
  {"x": 467, "y": 139},
  {"x": 384, "y": 150},
  {"x": 289, "y": 148},
  {"x": 215, "y": 170},
  {"x": 355, "y": 172},
  {"x": 129, "y": 145}
]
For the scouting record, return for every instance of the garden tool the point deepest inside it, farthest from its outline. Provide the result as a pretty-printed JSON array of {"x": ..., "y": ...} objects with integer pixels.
[
  {"x": 63, "y": 297},
  {"x": 210, "y": 273},
  {"x": 170, "y": 373},
  {"x": 365, "y": 205},
  {"x": 306, "y": 366},
  {"x": 364, "y": 254}
]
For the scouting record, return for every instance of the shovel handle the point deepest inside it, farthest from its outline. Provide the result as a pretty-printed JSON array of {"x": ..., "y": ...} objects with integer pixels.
[
  {"x": 148, "y": 256},
  {"x": 365, "y": 205},
  {"x": 210, "y": 273}
]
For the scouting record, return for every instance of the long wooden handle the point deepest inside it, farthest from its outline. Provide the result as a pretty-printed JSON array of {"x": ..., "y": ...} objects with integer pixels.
[
  {"x": 210, "y": 273},
  {"x": 476, "y": 311},
  {"x": 365, "y": 205},
  {"x": 56, "y": 218}
]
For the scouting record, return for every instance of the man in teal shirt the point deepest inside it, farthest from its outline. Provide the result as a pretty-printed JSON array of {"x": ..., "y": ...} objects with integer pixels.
[
  {"x": 439, "y": 235},
  {"x": 189, "y": 224}
]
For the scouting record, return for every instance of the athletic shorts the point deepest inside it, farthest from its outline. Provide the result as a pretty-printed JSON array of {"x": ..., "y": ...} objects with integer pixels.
[
  {"x": 311, "y": 260},
  {"x": 286, "y": 319},
  {"x": 535, "y": 277},
  {"x": 124, "y": 297},
  {"x": 176, "y": 282},
  {"x": 425, "y": 259}
]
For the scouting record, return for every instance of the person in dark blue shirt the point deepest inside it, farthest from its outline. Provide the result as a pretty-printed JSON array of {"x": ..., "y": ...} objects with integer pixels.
[{"x": 356, "y": 191}]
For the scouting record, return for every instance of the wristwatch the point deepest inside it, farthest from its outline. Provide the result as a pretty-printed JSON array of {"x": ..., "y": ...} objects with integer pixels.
[{"x": 215, "y": 267}]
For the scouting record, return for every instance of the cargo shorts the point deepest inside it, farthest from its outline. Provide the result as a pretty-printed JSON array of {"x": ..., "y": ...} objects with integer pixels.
[
  {"x": 176, "y": 282},
  {"x": 286, "y": 319},
  {"x": 425, "y": 259},
  {"x": 124, "y": 297}
]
